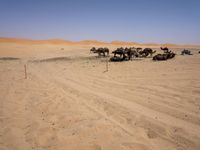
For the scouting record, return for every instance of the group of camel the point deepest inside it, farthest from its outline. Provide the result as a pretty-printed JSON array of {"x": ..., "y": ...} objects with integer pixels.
[
  {"x": 129, "y": 53},
  {"x": 186, "y": 52},
  {"x": 121, "y": 53}
]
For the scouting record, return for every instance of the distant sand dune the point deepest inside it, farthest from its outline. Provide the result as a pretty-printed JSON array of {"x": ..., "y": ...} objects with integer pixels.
[{"x": 91, "y": 42}]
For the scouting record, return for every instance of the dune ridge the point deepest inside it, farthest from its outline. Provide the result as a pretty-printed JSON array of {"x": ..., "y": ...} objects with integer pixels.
[{"x": 90, "y": 42}]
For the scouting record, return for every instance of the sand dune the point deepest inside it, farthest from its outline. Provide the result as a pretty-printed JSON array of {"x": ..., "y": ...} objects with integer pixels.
[
  {"x": 92, "y": 43},
  {"x": 70, "y": 102}
]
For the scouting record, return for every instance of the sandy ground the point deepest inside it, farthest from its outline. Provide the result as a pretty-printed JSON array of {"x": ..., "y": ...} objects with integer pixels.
[{"x": 69, "y": 101}]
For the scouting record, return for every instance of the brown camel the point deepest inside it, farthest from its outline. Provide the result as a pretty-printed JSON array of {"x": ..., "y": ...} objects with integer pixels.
[
  {"x": 100, "y": 51},
  {"x": 165, "y": 56},
  {"x": 125, "y": 53},
  {"x": 146, "y": 52},
  {"x": 186, "y": 52},
  {"x": 119, "y": 51},
  {"x": 165, "y": 49}
]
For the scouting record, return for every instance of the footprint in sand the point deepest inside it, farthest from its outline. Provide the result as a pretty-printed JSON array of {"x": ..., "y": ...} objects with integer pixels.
[{"x": 151, "y": 134}]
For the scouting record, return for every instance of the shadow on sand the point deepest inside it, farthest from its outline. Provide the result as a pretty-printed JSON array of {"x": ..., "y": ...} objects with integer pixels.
[{"x": 9, "y": 58}]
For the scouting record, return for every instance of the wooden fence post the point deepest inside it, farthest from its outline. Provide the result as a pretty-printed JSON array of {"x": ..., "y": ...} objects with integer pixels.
[
  {"x": 25, "y": 73},
  {"x": 107, "y": 65}
]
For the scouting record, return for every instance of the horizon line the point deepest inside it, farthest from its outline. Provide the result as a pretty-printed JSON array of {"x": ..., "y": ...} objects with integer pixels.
[{"x": 99, "y": 41}]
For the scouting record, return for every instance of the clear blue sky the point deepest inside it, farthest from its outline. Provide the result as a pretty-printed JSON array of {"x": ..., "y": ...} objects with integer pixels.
[{"x": 159, "y": 21}]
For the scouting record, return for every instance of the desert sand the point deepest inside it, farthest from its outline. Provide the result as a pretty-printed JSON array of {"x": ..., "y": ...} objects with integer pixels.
[{"x": 70, "y": 102}]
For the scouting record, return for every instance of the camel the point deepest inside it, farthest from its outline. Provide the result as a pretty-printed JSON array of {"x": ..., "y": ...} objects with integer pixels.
[
  {"x": 165, "y": 56},
  {"x": 131, "y": 52},
  {"x": 93, "y": 49},
  {"x": 138, "y": 49},
  {"x": 125, "y": 53},
  {"x": 116, "y": 59},
  {"x": 170, "y": 55},
  {"x": 186, "y": 52},
  {"x": 149, "y": 51},
  {"x": 106, "y": 50},
  {"x": 160, "y": 57},
  {"x": 165, "y": 49},
  {"x": 100, "y": 51},
  {"x": 119, "y": 51},
  {"x": 146, "y": 52}
]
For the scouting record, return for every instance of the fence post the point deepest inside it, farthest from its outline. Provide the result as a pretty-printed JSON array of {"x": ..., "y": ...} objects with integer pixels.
[
  {"x": 25, "y": 73},
  {"x": 107, "y": 65}
]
